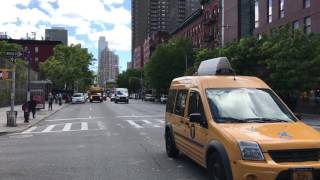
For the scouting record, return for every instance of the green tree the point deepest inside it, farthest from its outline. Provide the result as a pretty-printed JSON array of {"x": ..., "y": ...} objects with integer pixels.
[
  {"x": 168, "y": 62},
  {"x": 130, "y": 79},
  {"x": 69, "y": 66}
]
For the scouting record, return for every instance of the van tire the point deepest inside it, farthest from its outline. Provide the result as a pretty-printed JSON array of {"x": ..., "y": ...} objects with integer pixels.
[
  {"x": 216, "y": 169},
  {"x": 171, "y": 148}
]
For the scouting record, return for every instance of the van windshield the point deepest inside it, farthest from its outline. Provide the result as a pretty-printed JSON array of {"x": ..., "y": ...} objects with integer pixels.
[{"x": 246, "y": 105}]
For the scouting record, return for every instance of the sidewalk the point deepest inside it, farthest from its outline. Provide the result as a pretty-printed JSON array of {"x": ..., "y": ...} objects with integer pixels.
[{"x": 40, "y": 115}]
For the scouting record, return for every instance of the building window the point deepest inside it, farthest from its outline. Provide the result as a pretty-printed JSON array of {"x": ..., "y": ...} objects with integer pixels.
[
  {"x": 256, "y": 13},
  {"x": 307, "y": 25},
  {"x": 36, "y": 59},
  {"x": 281, "y": 10},
  {"x": 306, "y": 3},
  {"x": 36, "y": 49},
  {"x": 295, "y": 25},
  {"x": 270, "y": 11}
]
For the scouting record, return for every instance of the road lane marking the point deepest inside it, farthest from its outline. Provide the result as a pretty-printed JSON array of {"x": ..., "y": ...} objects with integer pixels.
[
  {"x": 67, "y": 127},
  {"x": 148, "y": 122},
  {"x": 49, "y": 128},
  {"x": 84, "y": 126},
  {"x": 159, "y": 120},
  {"x": 29, "y": 130},
  {"x": 101, "y": 125},
  {"x": 68, "y": 119},
  {"x": 135, "y": 116},
  {"x": 134, "y": 124}
]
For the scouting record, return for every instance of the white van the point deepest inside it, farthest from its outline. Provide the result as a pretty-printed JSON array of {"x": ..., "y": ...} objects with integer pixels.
[{"x": 121, "y": 95}]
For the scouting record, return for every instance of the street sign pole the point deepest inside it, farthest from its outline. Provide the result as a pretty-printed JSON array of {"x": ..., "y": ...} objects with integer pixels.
[{"x": 13, "y": 88}]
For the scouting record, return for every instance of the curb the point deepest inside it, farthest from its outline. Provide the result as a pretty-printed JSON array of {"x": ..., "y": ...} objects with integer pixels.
[{"x": 30, "y": 125}]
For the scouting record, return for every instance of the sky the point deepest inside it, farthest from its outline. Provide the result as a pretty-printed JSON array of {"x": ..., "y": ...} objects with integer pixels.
[{"x": 85, "y": 21}]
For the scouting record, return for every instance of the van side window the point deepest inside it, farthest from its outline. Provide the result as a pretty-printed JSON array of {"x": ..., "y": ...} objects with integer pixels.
[
  {"x": 181, "y": 103},
  {"x": 195, "y": 106},
  {"x": 171, "y": 99}
]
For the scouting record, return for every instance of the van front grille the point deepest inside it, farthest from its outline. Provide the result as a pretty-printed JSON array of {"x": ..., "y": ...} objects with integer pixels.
[{"x": 297, "y": 155}]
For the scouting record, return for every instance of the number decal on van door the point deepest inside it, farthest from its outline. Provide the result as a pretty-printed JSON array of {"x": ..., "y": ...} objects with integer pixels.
[{"x": 192, "y": 131}]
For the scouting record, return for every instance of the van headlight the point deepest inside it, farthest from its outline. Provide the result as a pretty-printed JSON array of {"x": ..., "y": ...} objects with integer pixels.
[{"x": 250, "y": 150}]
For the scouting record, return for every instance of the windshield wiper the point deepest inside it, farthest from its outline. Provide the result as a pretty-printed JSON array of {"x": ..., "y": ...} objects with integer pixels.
[
  {"x": 231, "y": 120},
  {"x": 264, "y": 120}
]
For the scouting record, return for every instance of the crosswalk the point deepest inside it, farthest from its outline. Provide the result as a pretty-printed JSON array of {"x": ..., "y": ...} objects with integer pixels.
[
  {"x": 145, "y": 123},
  {"x": 65, "y": 127}
]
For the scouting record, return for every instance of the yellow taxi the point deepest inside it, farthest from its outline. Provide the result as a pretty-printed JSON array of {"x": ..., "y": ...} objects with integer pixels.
[{"x": 238, "y": 128}]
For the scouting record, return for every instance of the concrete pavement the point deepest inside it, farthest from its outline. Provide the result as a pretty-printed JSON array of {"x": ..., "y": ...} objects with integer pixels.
[{"x": 40, "y": 115}]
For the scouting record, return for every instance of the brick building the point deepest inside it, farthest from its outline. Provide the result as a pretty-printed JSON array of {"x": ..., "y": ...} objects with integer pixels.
[
  {"x": 254, "y": 17},
  {"x": 138, "y": 57},
  {"x": 202, "y": 27},
  {"x": 151, "y": 43},
  {"x": 35, "y": 50}
]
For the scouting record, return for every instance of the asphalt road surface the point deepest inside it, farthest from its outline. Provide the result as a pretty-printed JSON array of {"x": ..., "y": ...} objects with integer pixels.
[{"x": 95, "y": 141}]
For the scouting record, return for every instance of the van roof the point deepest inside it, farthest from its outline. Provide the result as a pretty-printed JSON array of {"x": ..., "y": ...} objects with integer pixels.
[{"x": 204, "y": 82}]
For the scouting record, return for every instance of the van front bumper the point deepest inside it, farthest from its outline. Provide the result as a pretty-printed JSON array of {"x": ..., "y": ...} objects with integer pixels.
[{"x": 270, "y": 170}]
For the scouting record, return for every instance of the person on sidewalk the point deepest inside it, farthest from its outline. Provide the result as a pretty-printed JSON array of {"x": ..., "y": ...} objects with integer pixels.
[
  {"x": 60, "y": 99},
  {"x": 50, "y": 99},
  {"x": 25, "y": 109},
  {"x": 32, "y": 106}
]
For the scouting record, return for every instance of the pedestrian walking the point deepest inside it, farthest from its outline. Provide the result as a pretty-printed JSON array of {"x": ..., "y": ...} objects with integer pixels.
[
  {"x": 50, "y": 99},
  {"x": 25, "y": 109},
  {"x": 60, "y": 99},
  {"x": 32, "y": 106}
]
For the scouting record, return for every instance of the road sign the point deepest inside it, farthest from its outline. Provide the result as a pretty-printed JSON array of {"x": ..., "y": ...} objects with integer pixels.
[{"x": 11, "y": 54}]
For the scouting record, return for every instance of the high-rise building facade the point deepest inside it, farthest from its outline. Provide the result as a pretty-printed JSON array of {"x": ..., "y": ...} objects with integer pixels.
[
  {"x": 108, "y": 67},
  {"x": 57, "y": 34},
  {"x": 139, "y": 23},
  {"x": 152, "y": 16}
]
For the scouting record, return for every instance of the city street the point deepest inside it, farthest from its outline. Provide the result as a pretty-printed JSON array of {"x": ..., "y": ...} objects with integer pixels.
[{"x": 95, "y": 141}]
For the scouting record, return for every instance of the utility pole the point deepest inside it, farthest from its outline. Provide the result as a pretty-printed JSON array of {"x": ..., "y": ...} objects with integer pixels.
[{"x": 11, "y": 115}]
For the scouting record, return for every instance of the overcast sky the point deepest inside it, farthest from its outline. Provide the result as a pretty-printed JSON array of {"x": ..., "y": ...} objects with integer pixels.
[{"x": 85, "y": 20}]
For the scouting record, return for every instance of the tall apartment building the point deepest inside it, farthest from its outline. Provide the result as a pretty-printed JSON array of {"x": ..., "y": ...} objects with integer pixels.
[
  {"x": 152, "y": 16},
  {"x": 57, "y": 34},
  {"x": 108, "y": 67}
]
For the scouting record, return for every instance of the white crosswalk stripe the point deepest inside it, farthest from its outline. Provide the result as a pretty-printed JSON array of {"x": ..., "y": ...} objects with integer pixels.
[
  {"x": 145, "y": 123},
  {"x": 65, "y": 127},
  {"x": 134, "y": 124},
  {"x": 84, "y": 126},
  {"x": 49, "y": 128}
]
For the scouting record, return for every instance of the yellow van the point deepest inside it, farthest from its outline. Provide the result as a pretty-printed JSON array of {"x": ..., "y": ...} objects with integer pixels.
[{"x": 238, "y": 128}]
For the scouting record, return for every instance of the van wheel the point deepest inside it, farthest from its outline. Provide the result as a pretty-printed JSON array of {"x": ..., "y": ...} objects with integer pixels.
[
  {"x": 171, "y": 149},
  {"x": 215, "y": 167}
]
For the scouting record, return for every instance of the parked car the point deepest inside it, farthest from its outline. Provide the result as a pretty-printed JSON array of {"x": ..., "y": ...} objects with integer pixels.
[
  {"x": 149, "y": 97},
  {"x": 163, "y": 99},
  {"x": 78, "y": 98}
]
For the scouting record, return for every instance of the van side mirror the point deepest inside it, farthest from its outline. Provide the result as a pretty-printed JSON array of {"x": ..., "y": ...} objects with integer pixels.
[
  {"x": 298, "y": 115},
  {"x": 195, "y": 117}
]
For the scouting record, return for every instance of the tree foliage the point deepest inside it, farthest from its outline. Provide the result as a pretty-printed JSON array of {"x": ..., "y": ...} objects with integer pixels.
[
  {"x": 288, "y": 61},
  {"x": 69, "y": 66},
  {"x": 130, "y": 79},
  {"x": 168, "y": 62}
]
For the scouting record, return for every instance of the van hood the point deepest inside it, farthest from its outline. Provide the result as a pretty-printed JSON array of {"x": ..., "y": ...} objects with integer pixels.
[{"x": 276, "y": 136}]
